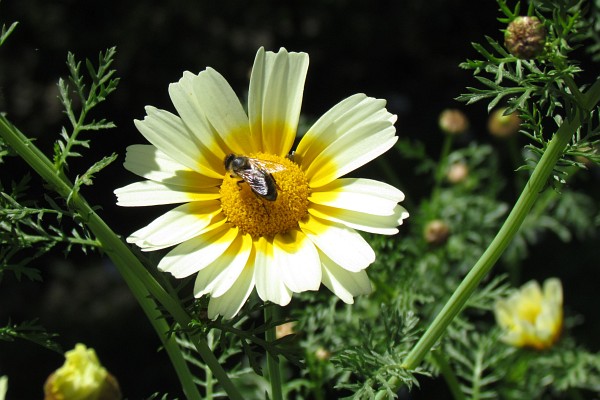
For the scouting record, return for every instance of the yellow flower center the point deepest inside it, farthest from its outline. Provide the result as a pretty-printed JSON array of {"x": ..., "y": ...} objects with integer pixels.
[{"x": 254, "y": 214}]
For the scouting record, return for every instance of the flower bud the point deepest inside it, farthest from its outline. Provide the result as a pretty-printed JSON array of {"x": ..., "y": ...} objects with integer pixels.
[
  {"x": 81, "y": 377},
  {"x": 453, "y": 122},
  {"x": 503, "y": 126},
  {"x": 436, "y": 232},
  {"x": 322, "y": 354},
  {"x": 532, "y": 317},
  {"x": 284, "y": 329},
  {"x": 525, "y": 37},
  {"x": 457, "y": 172}
]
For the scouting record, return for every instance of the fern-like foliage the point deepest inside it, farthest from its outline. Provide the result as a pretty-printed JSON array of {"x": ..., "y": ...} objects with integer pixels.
[
  {"x": 88, "y": 95},
  {"x": 31, "y": 331},
  {"x": 27, "y": 231}
]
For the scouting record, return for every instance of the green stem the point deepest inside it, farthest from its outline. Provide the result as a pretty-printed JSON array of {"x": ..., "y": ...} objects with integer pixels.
[
  {"x": 441, "y": 171},
  {"x": 535, "y": 185},
  {"x": 139, "y": 280},
  {"x": 273, "y": 360},
  {"x": 448, "y": 374},
  {"x": 533, "y": 188}
]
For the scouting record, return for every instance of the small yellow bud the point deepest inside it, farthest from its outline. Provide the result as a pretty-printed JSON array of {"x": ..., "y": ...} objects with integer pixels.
[
  {"x": 531, "y": 317},
  {"x": 284, "y": 329},
  {"x": 436, "y": 232},
  {"x": 453, "y": 122},
  {"x": 503, "y": 126},
  {"x": 525, "y": 37},
  {"x": 322, "y": 354},
  {"x": 457, "y": 172},
  {"x": 81, "y": 377}
]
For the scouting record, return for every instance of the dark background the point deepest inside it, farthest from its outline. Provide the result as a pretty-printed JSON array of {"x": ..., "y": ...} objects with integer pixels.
[{"x": 405, "y": 51}]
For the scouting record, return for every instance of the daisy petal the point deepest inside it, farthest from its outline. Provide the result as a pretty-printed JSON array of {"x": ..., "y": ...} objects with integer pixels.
[
  {"x": 381, "y": 224},
  {"x": 197, "y": 253},
  {"x": 325, "y": 128},
  {"x": 230, "y": 303},
  {"x": 170, "y": 135},
  {"x": 275, "y": 98},
  {"x": 356, "y": 148},
  {"x": 343, "y": 283},
  {"x": 352, "y": 112},
  {"x": 218, "y": 277},
  {"x": 299, "y": 261},
  {"x": 184, "y": 98},
  {"x": 176, "y": 226},
  {"x": 149, "y": 193},
  {"x": 225, "y": 113},
  {"x": 268, "y": 276},
  {"x": 148, "y": 162},
  {"x": 356, "y": 194},
  {"x": 343, "y": 245}
]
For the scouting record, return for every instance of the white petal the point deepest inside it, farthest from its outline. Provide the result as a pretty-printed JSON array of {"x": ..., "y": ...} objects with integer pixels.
[
  {"x": 170, "y": 135},
  {"x": 224, "y": 111},
  {"x": 148, "y": 162},
  {"x": 352, "y": 112},
  {"x": 184, "y": 97},
  {"x": 197, "y": 253},
  {"x": 356, "y": 194},
  {"x": 176, "y": 226},
  {"x": 325, "y": 130},
  {"x": 353, "y": 150},
  {"x": 149, "y": 193},
  {"x": 218, "y": 277},
  {"x": 343, "y": 283},
  {"x": 268, "y": 276},
  {"x": 381, "y": 224},
  {"x": 230, "y": 303},
  {"x": 275, "y": 98},
  {"x": 298, "y": 260},
  {"x": 343, "y": 245}
]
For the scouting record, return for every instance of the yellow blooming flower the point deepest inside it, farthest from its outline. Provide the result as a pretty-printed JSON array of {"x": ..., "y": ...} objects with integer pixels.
[
  {"x": 303, "y": 232},
  {"x": 81, "y": 378},
  {"x": 531, "y": 317}
]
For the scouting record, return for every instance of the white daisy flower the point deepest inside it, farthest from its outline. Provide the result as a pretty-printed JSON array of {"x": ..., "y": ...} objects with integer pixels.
[{"x": 283, "y": 224}]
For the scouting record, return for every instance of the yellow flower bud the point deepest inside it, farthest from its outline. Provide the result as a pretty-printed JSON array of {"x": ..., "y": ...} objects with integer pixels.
[
  {"x": 503, "y": 126},
  {"x": 284, "y": 329},
  {"x": 436, "y": 232},
  {"x": 81, "y": 377},
  {"x": 457, "y": 172},
  {"x": 453, "y": 122},
  {"x": 322, "y": 354},
  {"x": 531, "y": 317}
]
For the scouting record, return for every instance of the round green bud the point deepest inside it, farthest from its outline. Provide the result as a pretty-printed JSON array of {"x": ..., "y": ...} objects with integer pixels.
[{"x": 525, "y": 37}]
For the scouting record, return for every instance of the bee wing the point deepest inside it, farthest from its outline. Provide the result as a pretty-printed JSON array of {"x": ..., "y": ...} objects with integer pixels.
[
  {"x": 257, "y": 180},
  {"x": 267, "y": 166}
]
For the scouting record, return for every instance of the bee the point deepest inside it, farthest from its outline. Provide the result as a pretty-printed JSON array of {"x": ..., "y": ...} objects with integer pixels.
[{"x": 256, "y": 173}]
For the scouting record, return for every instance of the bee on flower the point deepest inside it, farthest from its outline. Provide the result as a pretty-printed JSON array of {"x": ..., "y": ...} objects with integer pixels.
[
  {"x": 532, "y": 316},
  {"x": 254, "y": 213}
]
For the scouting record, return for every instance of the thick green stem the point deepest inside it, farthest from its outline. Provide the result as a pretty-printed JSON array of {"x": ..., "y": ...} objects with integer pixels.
[
  {"x": 535, "y": 185},
  {"x": 139, "y": 280},
  {"x": 273, "y": 361},
  {"x": 448, "y": 374}
]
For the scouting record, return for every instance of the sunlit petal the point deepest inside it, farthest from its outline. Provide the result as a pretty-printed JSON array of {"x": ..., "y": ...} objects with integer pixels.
[
  {"x": 197, "y": 253},
  {"x": 268, "y": 275},
  {"x": 343, "y": 245},
  {"x": 176, "y": 226},
  {"x": 299, "y": 261}
]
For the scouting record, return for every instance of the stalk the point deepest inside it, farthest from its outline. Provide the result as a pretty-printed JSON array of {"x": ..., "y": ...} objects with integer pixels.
[{"x": 141, "y": 283}]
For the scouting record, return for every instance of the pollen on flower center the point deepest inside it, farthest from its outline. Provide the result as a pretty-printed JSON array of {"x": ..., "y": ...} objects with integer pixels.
[{"x": 257, "y": 216}]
